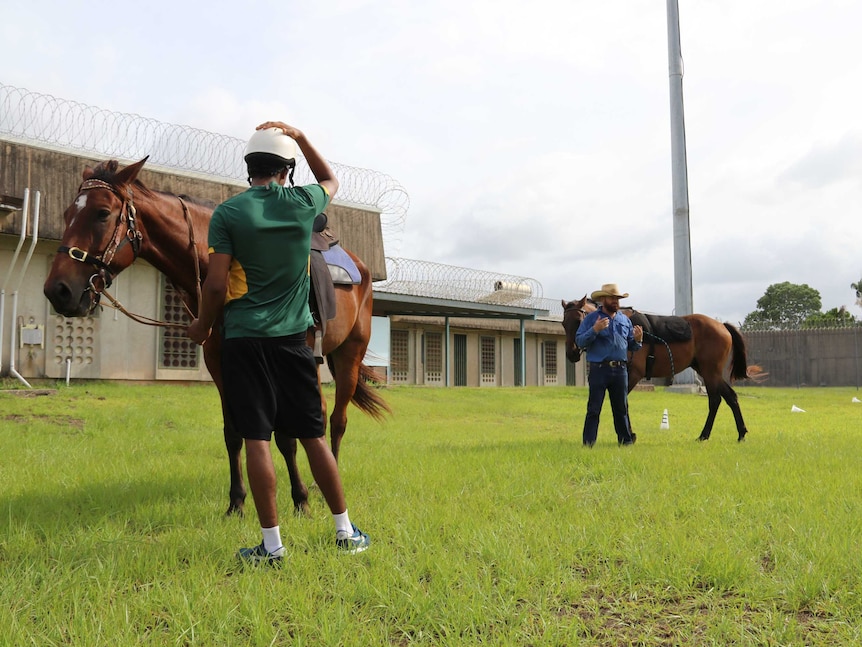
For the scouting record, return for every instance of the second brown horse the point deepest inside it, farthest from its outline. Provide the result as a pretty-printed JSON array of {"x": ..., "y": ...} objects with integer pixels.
[{"x": 711, "y": 345}]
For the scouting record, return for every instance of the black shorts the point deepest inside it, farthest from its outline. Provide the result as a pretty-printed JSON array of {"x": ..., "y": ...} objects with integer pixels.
[{"x": 271, "y": 385}]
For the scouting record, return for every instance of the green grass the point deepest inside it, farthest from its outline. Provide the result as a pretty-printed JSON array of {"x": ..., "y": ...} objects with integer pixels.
[{"x": 490, "y": 524}]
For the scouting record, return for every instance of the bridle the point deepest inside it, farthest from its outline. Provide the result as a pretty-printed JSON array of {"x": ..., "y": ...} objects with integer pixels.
[
  {"x": 134, "y": 237},
  {"x": 102, "y": 262},
  {"x": 583, "y": 313}
]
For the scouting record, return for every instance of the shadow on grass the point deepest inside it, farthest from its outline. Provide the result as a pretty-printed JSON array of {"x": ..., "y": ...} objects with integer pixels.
[{"x": 101, "y": 504}]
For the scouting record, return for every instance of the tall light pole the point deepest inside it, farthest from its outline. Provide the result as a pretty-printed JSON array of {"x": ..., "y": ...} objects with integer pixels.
[{"x": 683, "y": 300}]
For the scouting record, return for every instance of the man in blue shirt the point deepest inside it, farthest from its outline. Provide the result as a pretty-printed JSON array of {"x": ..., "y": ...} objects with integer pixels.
[{"x": 608, "y": 335}]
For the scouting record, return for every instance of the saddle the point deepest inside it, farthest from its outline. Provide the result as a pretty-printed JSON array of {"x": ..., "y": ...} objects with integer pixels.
[
  {"x": 660, "y": 328},
  {"x": 329, "y": 265}
]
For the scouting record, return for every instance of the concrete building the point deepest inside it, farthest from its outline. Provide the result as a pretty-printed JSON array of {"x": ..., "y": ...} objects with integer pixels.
[{"x": 433, "y": 340}]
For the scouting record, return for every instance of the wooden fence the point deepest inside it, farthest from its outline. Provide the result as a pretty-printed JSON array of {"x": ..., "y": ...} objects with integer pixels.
[{"x": 807, "y": 357}]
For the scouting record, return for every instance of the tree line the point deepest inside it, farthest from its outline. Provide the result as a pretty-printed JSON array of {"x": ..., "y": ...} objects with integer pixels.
[{"x": 791, "y": 306}]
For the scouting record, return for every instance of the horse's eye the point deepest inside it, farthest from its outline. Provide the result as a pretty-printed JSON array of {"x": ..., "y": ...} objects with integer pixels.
[{"x": 103, "y": 214}]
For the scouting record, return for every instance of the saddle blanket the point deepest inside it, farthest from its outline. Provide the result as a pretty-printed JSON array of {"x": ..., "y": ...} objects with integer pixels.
[{"x": 341, "y": 266}]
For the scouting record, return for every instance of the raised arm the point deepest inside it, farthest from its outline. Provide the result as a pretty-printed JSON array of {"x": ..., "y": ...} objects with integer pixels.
[{"x": 319, "y": 166}]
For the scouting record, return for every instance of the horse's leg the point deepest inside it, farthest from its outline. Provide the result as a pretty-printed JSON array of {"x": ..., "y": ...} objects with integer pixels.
[
  {"x": 732, "y": 400},
  {"x": 713, "y": 395},
  {"x": 288, "y": 446},
  {"x": 298, "y": 491},
  {"x": 346, "y": 374},
  {"x": 232, "y": 439},
  {"x": 236, "y": 494}
]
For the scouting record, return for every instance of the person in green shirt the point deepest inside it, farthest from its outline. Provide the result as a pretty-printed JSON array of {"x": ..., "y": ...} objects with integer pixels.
[{"x": 259, "y": 245}]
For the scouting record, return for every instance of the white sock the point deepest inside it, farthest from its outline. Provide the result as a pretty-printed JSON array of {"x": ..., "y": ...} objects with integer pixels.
[
  {"x": 271, "y": 538},
  {"x": 342, "y": 523}
]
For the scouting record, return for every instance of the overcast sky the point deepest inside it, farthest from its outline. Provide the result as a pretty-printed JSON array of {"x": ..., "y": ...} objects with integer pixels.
[{"x": 533, "y": 138}]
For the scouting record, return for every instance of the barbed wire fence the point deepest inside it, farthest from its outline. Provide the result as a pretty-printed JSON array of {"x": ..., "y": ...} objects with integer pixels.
[
  {"x": 70, "y": 125},
  {"x": 52, "y": 122},
  {"x": 437, "y": 280}
]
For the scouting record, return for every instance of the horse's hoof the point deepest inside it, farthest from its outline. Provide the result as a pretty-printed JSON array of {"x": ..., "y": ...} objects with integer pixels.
[
  {"x": 234, "y": 511},
  {"x": 701, "y": 439}
]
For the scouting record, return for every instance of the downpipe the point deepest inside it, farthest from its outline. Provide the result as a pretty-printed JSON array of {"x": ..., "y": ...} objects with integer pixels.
[{"x": 14, "y": 336}]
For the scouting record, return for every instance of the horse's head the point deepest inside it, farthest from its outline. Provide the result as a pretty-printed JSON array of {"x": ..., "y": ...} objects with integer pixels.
[
  {"x": 100, "y": 241},
  {"x": 573, "y": 314}
]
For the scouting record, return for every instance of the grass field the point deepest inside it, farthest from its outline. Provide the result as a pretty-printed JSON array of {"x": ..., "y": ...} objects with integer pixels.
[{"x": 490, "y": 524}]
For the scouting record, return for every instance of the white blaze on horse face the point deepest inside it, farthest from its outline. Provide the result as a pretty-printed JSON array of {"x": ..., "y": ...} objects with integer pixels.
[{"x": 80, "y": 203}]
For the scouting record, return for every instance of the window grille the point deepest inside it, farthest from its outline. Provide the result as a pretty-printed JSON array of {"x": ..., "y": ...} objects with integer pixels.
[
  {"x": 398, "y": 355},
  {"x": 488, "y": 360},
  {"x": 175, "y": 349},
  {"x": 550, "y": 362},
  {"x": 433, "y": 357}
]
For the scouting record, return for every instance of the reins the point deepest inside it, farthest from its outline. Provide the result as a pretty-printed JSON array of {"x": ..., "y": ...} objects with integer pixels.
[
  {"x": 133, "y": 235},
  {"x": 578, "y": 350}
]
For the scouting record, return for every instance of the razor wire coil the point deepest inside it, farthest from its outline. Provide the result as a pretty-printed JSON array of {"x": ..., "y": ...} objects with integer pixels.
[{"x": 54, "y": 122}]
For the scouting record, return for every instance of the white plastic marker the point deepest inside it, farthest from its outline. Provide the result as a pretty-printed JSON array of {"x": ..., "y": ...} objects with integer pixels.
[
  {"x": 796, "y": 409},
  {"x": 664, "y": 422}
]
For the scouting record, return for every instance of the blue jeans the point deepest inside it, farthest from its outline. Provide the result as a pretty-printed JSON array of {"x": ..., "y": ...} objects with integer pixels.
[{"x": 614, "y": 380}]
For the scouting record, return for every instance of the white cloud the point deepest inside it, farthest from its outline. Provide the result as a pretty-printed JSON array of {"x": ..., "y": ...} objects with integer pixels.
[{"x": 532, "y": 138}]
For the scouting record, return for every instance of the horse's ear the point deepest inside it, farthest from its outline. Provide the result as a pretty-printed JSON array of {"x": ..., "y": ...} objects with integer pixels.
[
  {"x": 88, "y": 172},
  {"x": 565, "y": 303},
  {"x": 130, "y": 173}
]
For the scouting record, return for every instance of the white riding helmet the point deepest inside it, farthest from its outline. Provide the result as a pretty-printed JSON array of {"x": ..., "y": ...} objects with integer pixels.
[{"x": 271, "y": 141}]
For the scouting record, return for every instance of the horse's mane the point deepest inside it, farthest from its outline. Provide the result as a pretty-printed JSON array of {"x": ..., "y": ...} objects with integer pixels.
[{"x": 107, "y": 171}]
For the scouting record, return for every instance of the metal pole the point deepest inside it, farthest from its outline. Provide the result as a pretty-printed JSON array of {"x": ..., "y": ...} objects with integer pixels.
[
  {"x": 35, "y": 236},
  {"x": 683, "y": 300},
  {"x": 523, "y": 354},
  {"x": 446, "y": 352},
  {"x": 25, "y": 215}
]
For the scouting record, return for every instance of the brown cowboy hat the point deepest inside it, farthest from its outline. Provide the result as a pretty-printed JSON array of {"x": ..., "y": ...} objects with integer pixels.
[{"x": 609, "y": 290}]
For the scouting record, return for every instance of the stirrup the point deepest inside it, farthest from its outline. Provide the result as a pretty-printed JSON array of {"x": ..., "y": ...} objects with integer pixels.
[{"x": 318, "y": 346}]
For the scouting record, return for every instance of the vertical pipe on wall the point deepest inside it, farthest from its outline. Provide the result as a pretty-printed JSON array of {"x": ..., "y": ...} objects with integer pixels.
[
  {"x": 25, "y": 214},
  {"x": 446, "y": 353},
  {"x": 523, "y": 354},
  {"x": 14, "y": 341}
]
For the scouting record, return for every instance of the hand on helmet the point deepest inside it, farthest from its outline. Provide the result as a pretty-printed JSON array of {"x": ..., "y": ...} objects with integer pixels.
[{"x": 290, "y": 131}]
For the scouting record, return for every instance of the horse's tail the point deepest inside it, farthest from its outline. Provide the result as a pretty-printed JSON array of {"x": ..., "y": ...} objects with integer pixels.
[
  {"x": 739, "y": 368},
  {"x": 366, "y": 396}
]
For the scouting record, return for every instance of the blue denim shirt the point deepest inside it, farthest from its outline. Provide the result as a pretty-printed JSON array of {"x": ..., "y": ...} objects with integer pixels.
[{"x": 613, "y": 343}]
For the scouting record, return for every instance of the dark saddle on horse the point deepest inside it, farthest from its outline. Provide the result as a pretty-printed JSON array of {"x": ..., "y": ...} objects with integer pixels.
[
  {"x": 329, "y": 265},
  {"x": 660, "y": 329}
]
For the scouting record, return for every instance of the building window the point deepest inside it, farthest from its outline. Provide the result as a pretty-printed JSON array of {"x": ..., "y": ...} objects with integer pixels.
[
  {"x": 488, "y": 360},
  {"x": 550, "y": 362},
  {"x": 175, "y": 349},
  {"x": 399, "y": 359},
  {"x": 433, "y": 357}
]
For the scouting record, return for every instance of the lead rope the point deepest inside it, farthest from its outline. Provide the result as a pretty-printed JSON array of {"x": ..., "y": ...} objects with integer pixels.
[
  {"x": 194, "y": 250},
  {"x": 148, "y": 321}
]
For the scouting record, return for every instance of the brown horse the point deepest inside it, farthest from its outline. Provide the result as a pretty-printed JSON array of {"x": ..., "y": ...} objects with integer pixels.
[
  {"x": 706, "y": 351},
  {"x": 115, "y": 218}
]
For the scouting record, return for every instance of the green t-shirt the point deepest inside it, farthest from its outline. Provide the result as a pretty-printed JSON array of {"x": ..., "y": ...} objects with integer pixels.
[{"x": 267, "y": 231}]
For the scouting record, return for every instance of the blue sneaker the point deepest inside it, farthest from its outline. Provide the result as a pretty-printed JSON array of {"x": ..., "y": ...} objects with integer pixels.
[
  {"x": 352, "y": 543},
  {"x": 260, "y": 555}
]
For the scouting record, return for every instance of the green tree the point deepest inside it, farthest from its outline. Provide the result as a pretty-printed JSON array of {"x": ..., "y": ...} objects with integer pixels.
[
  {"x": 784, "y": 305},
  {"x": 835, "y": 318}
]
